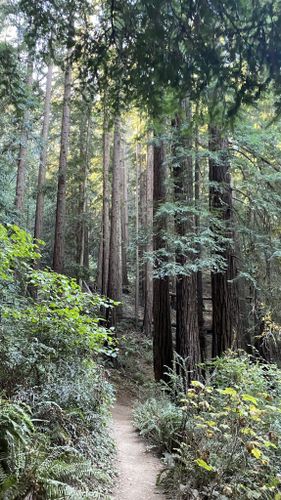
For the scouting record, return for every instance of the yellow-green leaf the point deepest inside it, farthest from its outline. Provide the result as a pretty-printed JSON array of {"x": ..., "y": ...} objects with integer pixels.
[
  {"x": 203, "y": 464},
  {"x": 248, "y": 431},
  {"x": 251, "y": 399},
  {"x": 229, "y": 391},
  {"x": 211, "y": 423},
  {"x": 256, "y": 453},
  {"x": 269, "y": 444}
]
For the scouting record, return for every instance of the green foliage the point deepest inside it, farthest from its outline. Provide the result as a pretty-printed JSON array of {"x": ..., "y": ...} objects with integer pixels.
[
  {"x": 17, "y": 251},
  {"x": 225, "y": 432},
  {"x": 159, "y": 421},
  {"x": 54, "y": 411},
  {"x": 16, "y": 428}
]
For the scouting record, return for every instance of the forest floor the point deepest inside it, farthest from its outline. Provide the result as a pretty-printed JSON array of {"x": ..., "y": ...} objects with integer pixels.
[{"x": 137, "y": 469}]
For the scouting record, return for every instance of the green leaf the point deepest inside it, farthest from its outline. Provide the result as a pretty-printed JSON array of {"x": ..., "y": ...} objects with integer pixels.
[
  {"x": 256, "y": 453},
  {"x": 203, "y": 464},
  {"x": 228, "y": 391},
  {"x": 251, "y": 399}
]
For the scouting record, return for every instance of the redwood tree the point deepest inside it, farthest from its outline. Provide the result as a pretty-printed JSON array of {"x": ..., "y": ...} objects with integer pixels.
[
  {"x": 162, "y": 331},
  {"x": 39, "y": 213},
  {"x": 224, "y": 290},
  {"x": 115, "y": 250},
  {"x": 21, "y": 168},
  {"x": 58, "y": 255},
  {"x": 137, "y": 280},
  {"x": 148, "y": 303},
  {"x": 200, "y": 302},
  {"x": 105, "y": 236},
  {"x": 124, "y": 213},
  {"x": 187, "y": 328},
  {"x": 85, "y": 140}
]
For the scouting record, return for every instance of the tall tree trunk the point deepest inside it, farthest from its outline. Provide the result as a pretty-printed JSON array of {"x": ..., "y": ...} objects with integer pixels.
[
  {"x": 224, "y": 290},
  {"x": 85, "y": 134},
  {"x": 115, "y": 250},
  {"x": 162, "y": 332},
  {"x": 124, "y": 214},
  {"x": 100, "y": 263},
  {"x": 39, "y": 213},
  {"x": 21, "y": 170},
  {"x": 142, "y": 222},
  {"x": 58, "y": 255},
  {"x": 148, "y": 304},
  {"x": 106, "y": 207},
  {"x": 187, "y": 328},
  {"x": 86, "y": 242},
  {"x": 137, "y": 282},
  {"x": 200, "y": 302}
]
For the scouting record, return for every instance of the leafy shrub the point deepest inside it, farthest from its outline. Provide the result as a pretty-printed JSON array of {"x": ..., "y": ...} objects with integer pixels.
[
  {"x": 227, "y": 432},
  {"x": 54, "y": 440}
]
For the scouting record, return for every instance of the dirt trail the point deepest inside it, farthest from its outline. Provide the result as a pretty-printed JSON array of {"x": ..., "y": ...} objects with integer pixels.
[{"x": 137, "y": 469}]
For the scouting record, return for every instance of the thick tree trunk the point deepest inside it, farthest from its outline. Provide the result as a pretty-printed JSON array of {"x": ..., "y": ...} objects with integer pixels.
[
  {"x": 142, "y": 222},
  {"x": 187, "y": 328},
  {"x": 106, "y": 206},
  {"x": 39, "y": 213},
  {"x": 58, "y": 255},
  {"x": 162, "y": 332},
  {"x": 137, "y": 282},
  {"x": 124, "y": 214},
  {"x": 21, "y": 170},
  {"x": 86, "y": 243},
  {"x": 200, "y": 302},
  {"x": 115, "y": 250},
  {"x": 148, "y": 306},
  {"x": 224, "y": 290},
  {"x": 100, "y": 263}
]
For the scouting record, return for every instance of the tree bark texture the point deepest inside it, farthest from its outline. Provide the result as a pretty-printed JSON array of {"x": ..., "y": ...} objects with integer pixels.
[
  {"x": 224, "y": 291},
  {"x": 142, "y": 223},
  {"x": 106, "y": 207},
  {"x": 100, "y": 263},
  {"x": 58, "y": 255},
  {"x": 21, "y": 167},
  {"x": 200, "y": 302},
  {"x": 162, "y": 332},
  {"x": 39, "y": 213},
  {"x": 137, "y": 282},
  {"x": 124, "y": 214},
  {"x": 115, "y": 250},
  {"x": 85, "y": 137},
  {"x": 148, "y": 303},
  {"x": 187, "y": 328}
]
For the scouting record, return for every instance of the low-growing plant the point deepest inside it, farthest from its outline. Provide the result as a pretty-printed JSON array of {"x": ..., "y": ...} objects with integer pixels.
[
  {"x": 228, "y": 432},
  {"x": 159, "y": 421}
]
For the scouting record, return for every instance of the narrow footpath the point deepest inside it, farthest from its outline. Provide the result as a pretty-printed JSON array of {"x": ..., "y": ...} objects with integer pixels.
[{"x": 137, "y": 469}]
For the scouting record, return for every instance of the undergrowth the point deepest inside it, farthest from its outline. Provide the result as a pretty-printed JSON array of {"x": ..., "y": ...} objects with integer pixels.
[
  {"x": 54, "y": 395},
  {"x": 219, "y": 439}
]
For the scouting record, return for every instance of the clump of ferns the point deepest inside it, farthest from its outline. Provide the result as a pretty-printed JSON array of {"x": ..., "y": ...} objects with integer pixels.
[
  {"x": 31, "y": 467},
  {"x": 16, "y": 428},
  {"x": 42, "y": 472}
]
